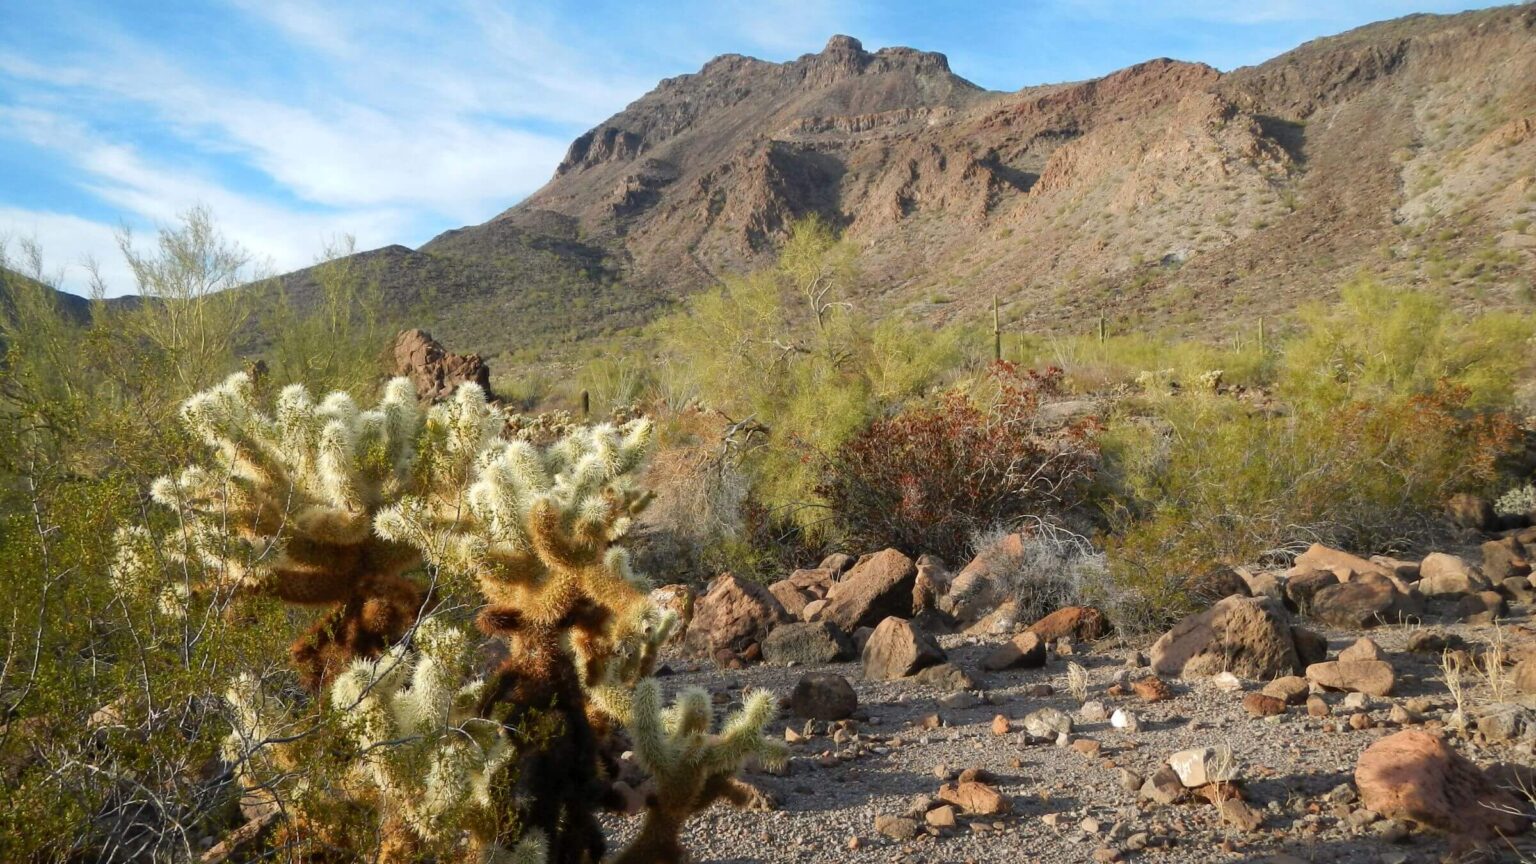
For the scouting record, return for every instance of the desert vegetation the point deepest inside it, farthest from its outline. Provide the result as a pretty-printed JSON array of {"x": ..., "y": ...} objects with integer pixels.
[{"x": 267, "y": 602}]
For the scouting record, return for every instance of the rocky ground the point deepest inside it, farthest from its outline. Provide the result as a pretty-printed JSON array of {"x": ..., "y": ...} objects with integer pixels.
[{"x": 1081, "y": 798}]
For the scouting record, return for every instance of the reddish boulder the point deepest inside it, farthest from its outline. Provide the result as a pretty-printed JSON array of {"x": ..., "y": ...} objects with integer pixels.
[
  {"x": 792, "y": 597},
  {"x": 1024, "y": 651},
  {"x": 876, "y": 588},
  {"x": 433, "y": 371},
  {"x": 1247, "y": 636},
  {"x": 1077, "y": 623},
  {"x": 982, "y": 584},
  {"x": 897, "y": 649},
  {"x": 1365, "y": 602},
  {"x": 733, "y": 616},
  {"x": 823, "y": 696},
  {"x": 1414, "y": 776}
]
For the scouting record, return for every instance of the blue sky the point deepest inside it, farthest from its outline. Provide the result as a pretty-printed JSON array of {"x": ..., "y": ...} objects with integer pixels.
[{"x": 299, "y": 121}]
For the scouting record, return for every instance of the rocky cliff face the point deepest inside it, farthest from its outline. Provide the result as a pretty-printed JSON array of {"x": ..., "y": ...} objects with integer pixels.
[{"x": 1167, "y": 193}]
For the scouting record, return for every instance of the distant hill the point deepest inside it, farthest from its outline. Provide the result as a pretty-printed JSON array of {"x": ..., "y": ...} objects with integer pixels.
[
  {"x": 1166, "y": 194},
  {"x": 71, "y": 306}
]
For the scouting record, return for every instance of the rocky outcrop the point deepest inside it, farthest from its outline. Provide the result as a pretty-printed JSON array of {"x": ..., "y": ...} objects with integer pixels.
[
  {"x": 435, "y": 372},
  {"x": 1247, "y": 636}
]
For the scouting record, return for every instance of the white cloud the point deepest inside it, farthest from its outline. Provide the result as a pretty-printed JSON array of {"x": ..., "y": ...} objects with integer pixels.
[
  {"x": 282, "y": 237},
  {"x": 69, "y": 244}
]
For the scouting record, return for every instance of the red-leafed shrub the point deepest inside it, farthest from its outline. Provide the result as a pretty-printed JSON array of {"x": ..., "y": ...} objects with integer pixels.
[{"x": 926, "y": 479}]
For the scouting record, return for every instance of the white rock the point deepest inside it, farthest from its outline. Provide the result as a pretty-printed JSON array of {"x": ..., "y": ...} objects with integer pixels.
[
  {"x": 1202, "y": 765},
  {"x": 1357, "y": 701},
  {"x": 1226, "y": 682},
  {"x": 1123, "y": 719}
]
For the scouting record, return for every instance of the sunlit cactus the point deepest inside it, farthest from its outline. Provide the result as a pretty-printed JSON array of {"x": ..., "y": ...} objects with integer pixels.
[
  {"x": 532, "y": 513},
  {"x": 326, "y": 503},
  {"x": 690, "y": 767},
  {"x": 285, "y": 507},
  {"x": 426, "y": 758}
]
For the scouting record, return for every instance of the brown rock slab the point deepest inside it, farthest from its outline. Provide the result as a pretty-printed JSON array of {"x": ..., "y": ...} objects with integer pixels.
[
  {"x": 1024, "y": 651},
  {"x": 1077, "y": 623},
  {"x": 1364, "y": 602},
  {"x": 1414, "y": 776},
  {"x": 897, "y": 649},
  {"x": 973, "y": 796},
  {"x": 1260, "y": 705},
  {"x": 1248, "y": 636},
  {"x": 1373, "y": 677},
  {"x": 878, "y": 587},
  {"x": 1292, "y": 689}
]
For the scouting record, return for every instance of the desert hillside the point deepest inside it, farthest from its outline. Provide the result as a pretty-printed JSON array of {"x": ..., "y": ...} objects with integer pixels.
[{"x": 1168, "y": 193}]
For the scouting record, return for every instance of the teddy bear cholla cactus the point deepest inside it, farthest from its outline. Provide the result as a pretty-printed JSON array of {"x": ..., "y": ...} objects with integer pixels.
[
  {"x": 539, "y": 533},
  {"x": 286, "y": 507},
  {"x": 329, "y": 504},
  {"x": 426, "y": 758}
]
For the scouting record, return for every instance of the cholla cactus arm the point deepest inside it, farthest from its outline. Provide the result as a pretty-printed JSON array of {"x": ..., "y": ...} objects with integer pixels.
[
  {"x": 692, "y": 769},
  {"x": 429, "y": 762},
  {"x": 531, "y": 518},
  {"x": 286, "y": 505}
]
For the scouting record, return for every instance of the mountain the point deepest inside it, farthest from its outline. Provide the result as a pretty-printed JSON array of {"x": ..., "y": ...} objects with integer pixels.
[{"x": 1167, "y": 194}]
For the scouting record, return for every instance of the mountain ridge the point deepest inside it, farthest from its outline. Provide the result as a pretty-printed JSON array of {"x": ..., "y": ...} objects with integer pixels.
[{"x": 1167, "y": 195}]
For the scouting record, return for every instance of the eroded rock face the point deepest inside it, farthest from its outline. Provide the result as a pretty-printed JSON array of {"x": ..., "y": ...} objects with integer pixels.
[
  {"x": 897, "y": 649},
  {"x": 1247, "y": 636},
  {"x": 1365, "y": 602},
  {"x": 1077, "y": 623},
  {"x": 823, "y": 696},
  {"x": 807, "y": 643},
  {"x": 435, "y": 372},
  {"x": 877, "y": 587},
  {"x": 735, "y": 616},
  {"x": 1414, "y": 776}
]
